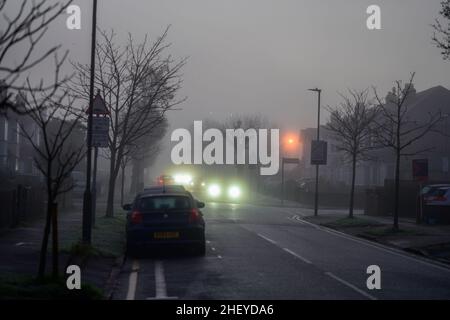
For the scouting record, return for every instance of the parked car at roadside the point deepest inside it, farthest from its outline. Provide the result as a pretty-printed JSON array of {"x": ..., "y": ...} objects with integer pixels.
[
  {"x": 164, "y": 216},
  {"x": 436, "y": 202}
]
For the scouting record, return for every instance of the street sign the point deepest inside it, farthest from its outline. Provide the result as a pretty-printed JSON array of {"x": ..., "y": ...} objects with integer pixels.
[
  {"x": 100, "y": 132},
  {"x": 420, "y": 169},
  {"x": 319, "y": 152},
  {"x": 291, "y": 160},
  {"x": 99, "y": 106}
]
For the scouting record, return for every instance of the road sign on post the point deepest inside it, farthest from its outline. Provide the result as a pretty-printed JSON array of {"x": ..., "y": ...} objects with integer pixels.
[
  {"x": 100, "y": 132},
  {"x": 319, "y": 152},
  {"x": 420, "y": 169}
]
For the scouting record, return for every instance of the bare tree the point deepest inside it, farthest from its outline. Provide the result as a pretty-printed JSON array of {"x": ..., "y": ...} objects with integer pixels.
[
  {"x": 352, "y": 124},
  {"x": 441, "y": 35},
  {"x": 57, "y": 154},
  {"x": 137, "y": 83},
  {"x": 144, "y": 152},
  {"x": 397, "y": 130},
  {"x": 25, "y": 24}
]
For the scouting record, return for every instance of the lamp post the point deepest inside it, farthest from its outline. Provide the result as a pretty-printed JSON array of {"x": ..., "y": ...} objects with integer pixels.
[
  {"x": 87, "y": 200},
  {"x": 316, "y": 196}
]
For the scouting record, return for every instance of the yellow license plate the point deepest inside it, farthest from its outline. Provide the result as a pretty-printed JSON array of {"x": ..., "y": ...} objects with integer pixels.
[{"x": 166, "y": 235}]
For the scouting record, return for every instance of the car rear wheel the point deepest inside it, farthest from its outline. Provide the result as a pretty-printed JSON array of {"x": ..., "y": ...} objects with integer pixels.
[{"x": 200, "y": 249}]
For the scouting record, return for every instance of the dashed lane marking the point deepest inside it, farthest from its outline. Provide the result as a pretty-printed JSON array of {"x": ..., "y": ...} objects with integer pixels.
[
  {"x": 297, "y": 256},
  {"x": 365, "y": 294},
  {"x": 267, "y": 239}
]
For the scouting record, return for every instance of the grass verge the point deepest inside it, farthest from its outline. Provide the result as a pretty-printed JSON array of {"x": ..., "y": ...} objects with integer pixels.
[
  {"x": 108, "y": 238},
  {"x": 30, "y": 288}
]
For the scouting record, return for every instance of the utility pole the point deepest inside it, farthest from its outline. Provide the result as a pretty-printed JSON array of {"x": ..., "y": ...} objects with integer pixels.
[
  {"x": 316, "y": 196},
  {"x": 87, "y": 200}
]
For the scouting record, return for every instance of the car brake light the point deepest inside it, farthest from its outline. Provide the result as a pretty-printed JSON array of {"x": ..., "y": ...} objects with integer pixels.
[
  {"x": 194, "y": 216},
  {"x": 440, "y": 198},
  {"x": 136, "y": 217}
]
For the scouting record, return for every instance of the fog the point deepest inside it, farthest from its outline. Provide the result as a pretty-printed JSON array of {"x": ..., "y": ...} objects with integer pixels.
[{"x": 261, "y": 56}]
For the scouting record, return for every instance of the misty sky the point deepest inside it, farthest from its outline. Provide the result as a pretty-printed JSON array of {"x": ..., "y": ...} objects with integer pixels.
[{"x": 261, "y": 56}]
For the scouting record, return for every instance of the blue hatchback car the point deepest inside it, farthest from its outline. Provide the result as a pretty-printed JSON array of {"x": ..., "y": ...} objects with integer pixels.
[{"x": 165, "y": 218}]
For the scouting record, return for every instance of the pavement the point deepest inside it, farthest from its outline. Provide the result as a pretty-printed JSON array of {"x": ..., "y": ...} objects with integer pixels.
[
  {"x": 20, "y": 248},
  {"x": 272, "y": 252}
]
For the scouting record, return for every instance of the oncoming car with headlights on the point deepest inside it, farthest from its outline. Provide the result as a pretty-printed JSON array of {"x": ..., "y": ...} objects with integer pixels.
[
  {"x": 167, "y": 218},
  {"x": 220, "y": 190}
]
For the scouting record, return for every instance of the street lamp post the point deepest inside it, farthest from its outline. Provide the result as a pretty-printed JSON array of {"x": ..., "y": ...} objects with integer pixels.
[
  {"x": 316, "y": 196},
  {"x": 87, "y": 200}
]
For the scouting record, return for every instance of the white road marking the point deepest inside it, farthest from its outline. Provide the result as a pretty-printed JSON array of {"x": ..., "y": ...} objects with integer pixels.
[
  {"x": 213, "y": 249},
  {"x": 365, "y": 294},
  {"x": 297, "y": 256},
  {"x": 219, "y": 256},
  {"x": 296, "y": 212},
  {"x": 160, "y": 281},
  {"x": 378, "y": 246},
  {"x": 267, "y": 239},
  {"x": 132, "y": 280}
]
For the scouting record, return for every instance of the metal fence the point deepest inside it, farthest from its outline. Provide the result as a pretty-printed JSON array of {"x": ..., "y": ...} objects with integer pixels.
[{"x": 22, "y": 198}]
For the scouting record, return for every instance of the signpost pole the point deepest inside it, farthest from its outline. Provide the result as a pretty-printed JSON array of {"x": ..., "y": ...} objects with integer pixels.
[
  {"x": 94, "y": 187},
  {"x": 420, "y": 173},
  {"x": 87, "y": 199},
  {"x": 282, "y": 182},
  {"x": 316, "y": 196}
]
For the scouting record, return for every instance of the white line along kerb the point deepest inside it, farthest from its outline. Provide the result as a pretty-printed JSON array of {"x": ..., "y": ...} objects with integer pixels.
[{"x": 132, "y": 280}]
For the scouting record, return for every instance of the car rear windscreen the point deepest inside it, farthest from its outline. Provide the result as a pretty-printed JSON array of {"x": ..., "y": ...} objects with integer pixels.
[
  {"x": 164, "y": 203},
  {"x": 438, "y": 192}
]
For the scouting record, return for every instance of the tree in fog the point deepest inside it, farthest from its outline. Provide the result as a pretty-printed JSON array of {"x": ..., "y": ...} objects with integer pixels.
[
  {"x": 138, "y": 83},
  {"x": 352, "y": 124},
  {"x": 143, "y": 153},
  {"x": 397, "y": 130},
  {"x": 58, "y": 150},
  {"x": 24, "y": 24},
  {"x": 441, "y": 36}
]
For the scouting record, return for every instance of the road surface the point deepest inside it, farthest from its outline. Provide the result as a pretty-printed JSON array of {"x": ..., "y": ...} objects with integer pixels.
[{"x": 260, "y": 252}]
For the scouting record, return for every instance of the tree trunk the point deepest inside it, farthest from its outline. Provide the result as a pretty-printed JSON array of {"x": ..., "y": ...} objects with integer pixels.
[
  {"x": 397, "y": 189},
  {"x": 136, "y": 176},
  {"x": 55, "y": 253},
  {"x": 110, "y": 199},
  {"x": 352, "y": 190},
  {"x": 122, "y": 186},
  {"x": 111, "y": 186},
  {"x": 44, "y": 244}
]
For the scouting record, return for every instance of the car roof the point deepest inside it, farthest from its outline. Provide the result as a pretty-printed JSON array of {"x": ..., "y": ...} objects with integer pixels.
[
  {"x": 438, "y": 185},
  {"x": 164, "y": 189},
  {"x": 150, "y": 195}
]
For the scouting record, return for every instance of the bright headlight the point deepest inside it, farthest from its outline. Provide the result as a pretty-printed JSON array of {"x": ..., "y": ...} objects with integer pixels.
[
  {"x": 214, "y": 190},
  {"x": 184, "y": 179},
  {"x": 234, "y": 192}
]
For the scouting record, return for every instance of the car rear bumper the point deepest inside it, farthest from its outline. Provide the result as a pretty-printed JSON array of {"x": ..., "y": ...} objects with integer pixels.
[{"x": 145, "y": 237}]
